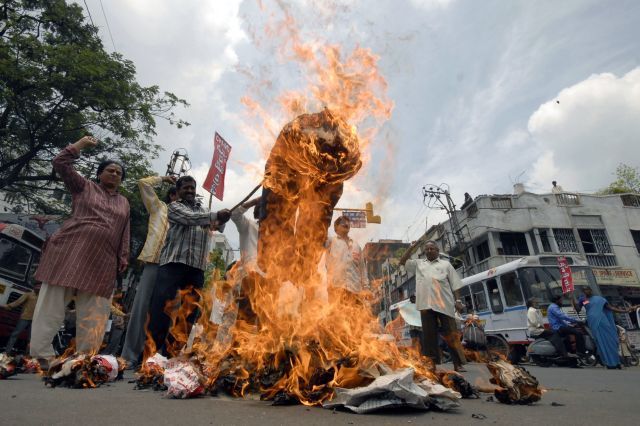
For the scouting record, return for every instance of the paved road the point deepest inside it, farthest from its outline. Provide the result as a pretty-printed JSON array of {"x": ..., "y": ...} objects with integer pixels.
[{"x": 589, "y": 396}]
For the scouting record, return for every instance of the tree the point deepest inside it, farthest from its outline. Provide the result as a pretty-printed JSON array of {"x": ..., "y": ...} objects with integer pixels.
[
  {"x": 58, "y": 83},
  {"x": 628, "y": 180}
]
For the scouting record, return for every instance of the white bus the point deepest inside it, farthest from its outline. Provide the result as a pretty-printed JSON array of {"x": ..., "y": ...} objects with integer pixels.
[{"x": 498, "y": 296}]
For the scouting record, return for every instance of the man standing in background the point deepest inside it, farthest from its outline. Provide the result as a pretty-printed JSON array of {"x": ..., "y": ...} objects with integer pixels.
[
  {"x": 435, "y": 282},
  {"x": 150, "y": 256},
  {"x": 24, "y": 323}
]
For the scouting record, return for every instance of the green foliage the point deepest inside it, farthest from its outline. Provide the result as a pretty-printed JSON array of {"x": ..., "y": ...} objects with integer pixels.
[
  {"x": 216, "y": 262},
  {"x": 627, "y": 180},
  {"x": 58, "y": 84}
]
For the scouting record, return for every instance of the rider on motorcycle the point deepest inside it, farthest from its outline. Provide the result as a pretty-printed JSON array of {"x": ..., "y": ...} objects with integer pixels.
[
  {"x": 563, "y": 324},
  {"x": 535, "y": 326}
]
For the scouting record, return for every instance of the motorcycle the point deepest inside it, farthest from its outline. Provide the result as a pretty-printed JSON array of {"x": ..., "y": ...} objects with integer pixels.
[{"x": 542, "y": 352}]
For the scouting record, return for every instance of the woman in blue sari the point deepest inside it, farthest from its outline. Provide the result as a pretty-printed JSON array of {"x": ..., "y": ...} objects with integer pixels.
[{"x": 603, "y": 328}]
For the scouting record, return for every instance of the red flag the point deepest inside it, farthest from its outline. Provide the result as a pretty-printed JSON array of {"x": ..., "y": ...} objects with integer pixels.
[
  {"x": 214, "y": 183},
  {"x": 565, "y": 275}
]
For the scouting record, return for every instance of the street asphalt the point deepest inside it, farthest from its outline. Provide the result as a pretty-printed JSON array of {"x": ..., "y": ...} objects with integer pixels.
[{"x": 590, "y": 396}]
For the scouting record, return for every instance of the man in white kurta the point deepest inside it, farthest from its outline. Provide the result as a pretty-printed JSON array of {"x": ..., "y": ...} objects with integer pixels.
[
  {"x": 435, "y": 282},
  {"x": 345, "y": 260},
  {"x": 248, "y": 235}
]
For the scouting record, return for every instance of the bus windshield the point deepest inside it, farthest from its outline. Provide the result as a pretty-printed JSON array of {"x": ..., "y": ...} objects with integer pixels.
[{"x": 544, "y": 282}]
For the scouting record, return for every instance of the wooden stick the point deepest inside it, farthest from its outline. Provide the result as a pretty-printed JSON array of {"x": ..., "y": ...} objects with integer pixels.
[{"x": 246, "y": 198}]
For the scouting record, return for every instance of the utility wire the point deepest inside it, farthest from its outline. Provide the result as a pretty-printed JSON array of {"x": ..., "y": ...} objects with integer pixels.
[
  {"x": 87, "y": 7},
  {"x": 108, "y": 28}
]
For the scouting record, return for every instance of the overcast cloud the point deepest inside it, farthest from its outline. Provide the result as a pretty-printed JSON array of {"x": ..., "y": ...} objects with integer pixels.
[{"x": 475, "y": 85}]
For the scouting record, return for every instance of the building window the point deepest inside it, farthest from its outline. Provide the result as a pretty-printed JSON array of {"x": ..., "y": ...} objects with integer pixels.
[
  {"x": 636, "y": 239},
  {"x": 566, "y": 240},
  {"x": 630, "y": 200},
  {"x": 514, "y": 244},
  {"x": 482, "y": 251},
  {"x": 501, "y": 202},
  {"x": 597, "y": 248},
  {"x": 544, "y": 239}
]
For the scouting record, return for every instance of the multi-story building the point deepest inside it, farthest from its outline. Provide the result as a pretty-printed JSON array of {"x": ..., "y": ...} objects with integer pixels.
[
  {"x": 219, "y": 242},
  {"x": 495, "y": 229}
]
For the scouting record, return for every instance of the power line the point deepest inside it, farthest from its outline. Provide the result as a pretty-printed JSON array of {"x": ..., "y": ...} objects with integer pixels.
[
  {"x": 87, "y": 7},
  {"x": 108, "y": 28}
]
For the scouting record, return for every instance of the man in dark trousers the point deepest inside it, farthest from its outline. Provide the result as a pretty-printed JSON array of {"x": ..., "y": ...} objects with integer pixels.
[
  {"x": 183, "y": 258},
  {"x": 436, "y": 280}
]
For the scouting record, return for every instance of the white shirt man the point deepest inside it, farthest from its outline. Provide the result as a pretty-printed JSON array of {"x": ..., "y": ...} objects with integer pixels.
[{"x": 345, "y": 261}]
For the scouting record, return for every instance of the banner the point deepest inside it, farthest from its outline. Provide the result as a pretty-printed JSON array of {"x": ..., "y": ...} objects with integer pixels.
[
  {"x": 358, "y": 219},
  {"x": 214, "y": 183},
  {"x": 565, "y": 275}
]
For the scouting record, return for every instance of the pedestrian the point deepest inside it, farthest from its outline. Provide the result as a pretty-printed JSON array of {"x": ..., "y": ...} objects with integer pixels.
[
  {"x": 563, "y": 324},
  {"x": 435, "y": 282},
  {"x": 535, "y": 326},
  {"x": 28, "y": 302},
  {"x": 346, "y": 271},
  {"x": 150, "y": 256},
  {"x": 83, "y": 258},
  {"x": 183, "y": 258},
  {"x": 602, "y": 326}
]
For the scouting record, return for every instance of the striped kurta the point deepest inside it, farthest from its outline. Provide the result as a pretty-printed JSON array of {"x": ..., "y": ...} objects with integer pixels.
[{"x": 85, "y": 252}]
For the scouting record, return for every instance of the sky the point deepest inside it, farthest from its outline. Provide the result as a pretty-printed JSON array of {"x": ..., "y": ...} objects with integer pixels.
[{"x": 485, "y": 94}]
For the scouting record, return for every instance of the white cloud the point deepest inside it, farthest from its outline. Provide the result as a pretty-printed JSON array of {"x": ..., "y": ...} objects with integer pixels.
[{"x": 586, "y": 131}]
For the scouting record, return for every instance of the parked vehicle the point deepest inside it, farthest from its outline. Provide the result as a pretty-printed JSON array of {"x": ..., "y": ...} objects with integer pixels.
[
  {"x": 19, "y": 256},
  {"x": 498, "y": 296}
]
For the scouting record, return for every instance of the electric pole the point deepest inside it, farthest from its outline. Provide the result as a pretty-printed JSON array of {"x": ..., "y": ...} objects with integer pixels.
[{"x": 439, "y": 196}]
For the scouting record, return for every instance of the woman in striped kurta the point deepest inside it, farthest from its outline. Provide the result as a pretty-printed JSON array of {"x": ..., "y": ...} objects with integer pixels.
[{"x": 82, "y": 259}]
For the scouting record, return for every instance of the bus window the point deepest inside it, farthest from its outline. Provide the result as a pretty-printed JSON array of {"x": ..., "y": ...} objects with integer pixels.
[
  {"x": 464, "y": 294},
  {"x": 479, "y": 299},
  {"x": 14, "y": 259},
  {"x": 494, "y": 296},
  {"x": 511, "y": 289},
  {"x": 533, "y": 283}
]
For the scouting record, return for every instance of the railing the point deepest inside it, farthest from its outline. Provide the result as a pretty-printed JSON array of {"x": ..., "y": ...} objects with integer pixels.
[
  {"x": 601, "y": 260},
  {"x": 630, "y": 200},
  {"x": 568, "y": 199}
]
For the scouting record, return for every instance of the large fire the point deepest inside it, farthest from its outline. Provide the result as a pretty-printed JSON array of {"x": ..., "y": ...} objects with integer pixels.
[{"x": 299, "y": 341}]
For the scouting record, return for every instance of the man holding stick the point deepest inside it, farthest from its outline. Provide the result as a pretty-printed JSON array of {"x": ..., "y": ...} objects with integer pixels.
[{"x": 184, "y": 256}]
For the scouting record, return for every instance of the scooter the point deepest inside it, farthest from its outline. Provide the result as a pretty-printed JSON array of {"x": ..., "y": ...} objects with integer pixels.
[{"x": 542, "y": 353}]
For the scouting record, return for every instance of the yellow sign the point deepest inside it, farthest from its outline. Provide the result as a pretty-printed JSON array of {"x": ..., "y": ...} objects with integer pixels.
[{"x": 623, "y": 277}]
